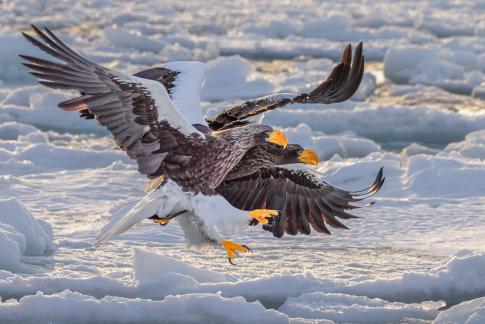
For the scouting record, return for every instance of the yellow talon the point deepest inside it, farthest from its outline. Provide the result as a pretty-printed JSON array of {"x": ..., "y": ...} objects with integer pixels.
[
  {"x": 262, "y": 215},
  {"x": 233, "y": 250},
  {"x": 163, "y": 221}
]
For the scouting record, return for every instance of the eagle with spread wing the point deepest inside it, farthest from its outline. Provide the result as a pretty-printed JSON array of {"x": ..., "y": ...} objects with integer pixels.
[{"x": 193, "y": 164}]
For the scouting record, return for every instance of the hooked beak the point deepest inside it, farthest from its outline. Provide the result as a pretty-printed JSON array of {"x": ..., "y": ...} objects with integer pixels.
[
  {"x": 308, "y": 156},
  {"x": 278, "y": 137}
]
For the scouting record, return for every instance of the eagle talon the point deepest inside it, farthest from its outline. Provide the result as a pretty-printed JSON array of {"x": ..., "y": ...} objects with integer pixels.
[
  {"x": 233, "y": 250},
  {"x": 262, "y": 215},
  {"x": 163, "y": 221}
]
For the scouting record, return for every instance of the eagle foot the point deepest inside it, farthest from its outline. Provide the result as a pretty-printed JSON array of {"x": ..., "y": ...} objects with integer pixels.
[
  {"x": 165, "y": 220},
  {"x": 262, "y": 215},
  {"x": 162, "y": 221},
  {"x": 233, "y": 249}
]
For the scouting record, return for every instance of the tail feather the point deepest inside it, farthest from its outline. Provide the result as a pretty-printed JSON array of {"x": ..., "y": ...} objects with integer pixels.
[{"x": 145, "y": 208}]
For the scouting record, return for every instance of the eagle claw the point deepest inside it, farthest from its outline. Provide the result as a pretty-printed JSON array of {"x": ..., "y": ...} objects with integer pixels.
[
  {"x": 262, "y": 215},
  {"x": 233, "y": 250}
]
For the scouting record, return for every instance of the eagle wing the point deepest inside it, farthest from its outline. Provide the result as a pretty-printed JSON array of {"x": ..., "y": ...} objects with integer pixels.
[
  {"x": 340, "y": 85},
  {"x": 183, "y": 81},
  {"x": 138, "y": 112},
  {"x": 301, "y": 199}
]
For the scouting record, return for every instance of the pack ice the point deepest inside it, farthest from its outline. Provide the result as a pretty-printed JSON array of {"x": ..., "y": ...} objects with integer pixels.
[{"x": 416, "y": 256}]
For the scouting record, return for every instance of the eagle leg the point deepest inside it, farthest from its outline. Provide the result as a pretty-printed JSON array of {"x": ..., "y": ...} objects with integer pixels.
[
  {"x": 262, "y": 215},
  {"x": 233, "y": 249}
]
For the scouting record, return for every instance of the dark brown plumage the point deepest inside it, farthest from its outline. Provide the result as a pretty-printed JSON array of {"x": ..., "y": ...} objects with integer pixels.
[
  {"x": 301, "y": 199},
  {"x": 340, "y": 85},
  {"x": 130, "y": 112},
  {"x": 265, "y": 156}
]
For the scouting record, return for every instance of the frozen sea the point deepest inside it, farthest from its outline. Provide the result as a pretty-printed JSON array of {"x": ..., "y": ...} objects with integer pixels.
[{"x": 416, "y": 256}]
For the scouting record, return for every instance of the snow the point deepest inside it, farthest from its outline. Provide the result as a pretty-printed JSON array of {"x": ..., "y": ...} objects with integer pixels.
[
  {"x": 190, "y": 308},
  {"x": 12, "y": 45},
  {"x": 468, "y": 312},
  {"x": 459, "y": 278},
  {"x": 348, "y": 308},
  {"x": 383, "y": 123},
  {"x": 233, "y": 77},
  {"x": 417, "y": 255},
  {"x": 124, "y": 38},
  {"x": 300, "y": 296},
  {"x": 453, "y": 70},
  {"x": 21, "y": 234},
  {"x": 147, "y": 267}
]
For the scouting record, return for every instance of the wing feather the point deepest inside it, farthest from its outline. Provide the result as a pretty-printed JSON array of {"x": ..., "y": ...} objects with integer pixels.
[
  {"x": 303, "y": 201},
  {"x": 340, "y": 85},
  {"x": 138, "y": 112}
]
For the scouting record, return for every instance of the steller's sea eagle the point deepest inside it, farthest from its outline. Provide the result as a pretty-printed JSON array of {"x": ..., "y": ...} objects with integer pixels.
[{"x": 230, "y": 163}]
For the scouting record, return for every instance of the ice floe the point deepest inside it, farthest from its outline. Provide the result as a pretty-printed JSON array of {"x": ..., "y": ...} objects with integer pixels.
[
  {"x": 419, "y": 113},
  {"x": 21, "y": 234}
]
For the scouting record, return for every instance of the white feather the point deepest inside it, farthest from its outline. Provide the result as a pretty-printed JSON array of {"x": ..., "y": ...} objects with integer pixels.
[
  {"x": 187, "y": 87},
  {"x": 166, "y": 109},
  {"x": 147, "y": 207},
  {"x": 206, "y": 220}
]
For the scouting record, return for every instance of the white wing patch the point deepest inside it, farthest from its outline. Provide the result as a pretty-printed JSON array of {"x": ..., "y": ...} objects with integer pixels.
[
  {"x": 166, "y": 108},
  {"x": 187, "y": 87}
]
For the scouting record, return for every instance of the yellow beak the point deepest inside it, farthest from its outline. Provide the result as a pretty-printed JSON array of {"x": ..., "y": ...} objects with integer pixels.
[
  {"x": 308, "y": 156},
  {"x": 278, "y": 137}
]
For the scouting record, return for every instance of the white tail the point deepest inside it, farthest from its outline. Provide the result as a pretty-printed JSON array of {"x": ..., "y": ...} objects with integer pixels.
[{"x": 147, "y": 207}]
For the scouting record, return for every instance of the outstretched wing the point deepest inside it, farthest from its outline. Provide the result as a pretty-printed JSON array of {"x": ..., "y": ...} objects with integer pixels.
[
  {"x": 138, "y": 112},
  {"x": 183, "y": 81},
  {"x": 340, "y": 85},
  {"x": 301, "y": 199},
  {"x": 164, "y": 76}
]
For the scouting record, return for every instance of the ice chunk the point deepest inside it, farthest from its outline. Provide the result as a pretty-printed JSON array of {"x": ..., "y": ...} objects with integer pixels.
[
  {"x": 13, "y": 245},
  {"x": 190, "y": 308},
  {"x": 461, "y": 278},
  {"x": 12, "y": 130},
  {"x": 452, "y": 70},
  {"x": 233, "y": 77},
  {"x": 38, "y": 241},
  {"x": 348, "y": 308},
  {"x": 468, "y": 312},
  {"x": 336, "y": 26},
  {"x": 123, "y": 38},
  {"x": 21, "y": 234},
  {"x": 150, "y": 266}
]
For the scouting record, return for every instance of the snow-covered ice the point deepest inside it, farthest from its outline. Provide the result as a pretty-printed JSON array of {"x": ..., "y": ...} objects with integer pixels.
[
  {"x": 21, "y": 234},
  {"x": 417, "y": 255},
  {"x": 468, "y": 312}
]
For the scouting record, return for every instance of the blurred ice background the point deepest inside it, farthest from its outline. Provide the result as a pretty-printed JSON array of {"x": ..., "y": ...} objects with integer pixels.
[{"x": 419, "y": 112}]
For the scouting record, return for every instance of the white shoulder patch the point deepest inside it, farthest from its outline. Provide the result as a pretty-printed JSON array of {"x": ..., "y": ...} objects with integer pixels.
[
  {"x": 166, "y": 108},
  {"x": 187, "y": 87}
]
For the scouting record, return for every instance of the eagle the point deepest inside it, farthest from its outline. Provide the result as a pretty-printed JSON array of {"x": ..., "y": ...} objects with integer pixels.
[{"x": 230, "y": 165}]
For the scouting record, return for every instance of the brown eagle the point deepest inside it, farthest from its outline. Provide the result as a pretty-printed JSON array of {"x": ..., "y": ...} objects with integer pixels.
[{"x": 155, "y": 117}]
